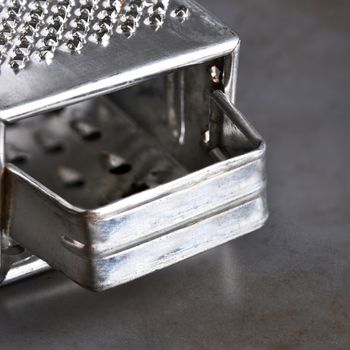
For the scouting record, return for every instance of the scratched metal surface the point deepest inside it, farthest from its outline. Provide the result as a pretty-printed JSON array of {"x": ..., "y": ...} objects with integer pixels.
[{"x": 283, "y": 287}]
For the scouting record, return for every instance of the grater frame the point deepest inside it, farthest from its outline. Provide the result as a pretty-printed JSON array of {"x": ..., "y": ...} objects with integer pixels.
[{"x": 104, "y": 247}]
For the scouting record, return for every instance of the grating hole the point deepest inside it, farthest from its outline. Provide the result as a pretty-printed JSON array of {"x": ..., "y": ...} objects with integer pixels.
[
  {"x": 19, "y": 159},
  {"x": 87, "y": 131},
  {"x": 16, "y": 156},
  {"x": 70, "y": 177},
  {"x": 75, "y": 184},
  {"x": 55, "y": 148},
  {"x": 95, "y": 135},
  {"x": 120, "y": 170},
  {"x": 115, "y": 164}
]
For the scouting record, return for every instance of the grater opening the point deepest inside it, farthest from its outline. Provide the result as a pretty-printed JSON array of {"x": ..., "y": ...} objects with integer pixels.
[
  {"x": 91, "y": 154},
  {"x": 104, "y": 149}
]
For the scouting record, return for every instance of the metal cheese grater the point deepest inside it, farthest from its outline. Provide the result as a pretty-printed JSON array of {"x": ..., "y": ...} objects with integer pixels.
[{"x": 135, "y": 156}]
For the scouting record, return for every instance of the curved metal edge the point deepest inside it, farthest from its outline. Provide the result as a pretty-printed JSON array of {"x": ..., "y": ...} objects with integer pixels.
[
  {"x": 24, "y": 269},
  {"x": 232, "y": 222}
]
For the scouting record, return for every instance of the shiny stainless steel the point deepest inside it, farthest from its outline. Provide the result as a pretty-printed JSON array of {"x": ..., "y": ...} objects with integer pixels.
[
  {"x": 24, "y": 268},
  {"x": 110, "y": 189},
  {"x": 98, "y": 69}
]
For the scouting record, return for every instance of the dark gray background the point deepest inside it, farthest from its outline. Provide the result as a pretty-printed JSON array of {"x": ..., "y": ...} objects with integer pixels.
[{"x": 283, "y": 287}]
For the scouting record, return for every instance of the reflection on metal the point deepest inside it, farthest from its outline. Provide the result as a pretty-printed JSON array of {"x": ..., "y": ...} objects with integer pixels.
[
  {"x": 108, "y": 189},
  {"x": 33, "y": 31},
  {"x": 25, "y": 268},
  {"x": 175, "y": 87}
]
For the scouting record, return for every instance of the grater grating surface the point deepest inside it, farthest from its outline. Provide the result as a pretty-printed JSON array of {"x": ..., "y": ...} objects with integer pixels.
[
  {"x": 90, "y": 153},
  {"x": 35, "y": 29},
  {"x": 59, "y": 52}
]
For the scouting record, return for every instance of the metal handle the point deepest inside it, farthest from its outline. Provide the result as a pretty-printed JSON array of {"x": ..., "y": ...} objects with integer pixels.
[{"x": 223, "y": 103}]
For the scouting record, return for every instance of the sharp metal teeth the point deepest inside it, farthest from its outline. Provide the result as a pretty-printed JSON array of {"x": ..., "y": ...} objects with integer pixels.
[
  {"x": 3, "y": 43},
  {"x": 137, "y": 5},
  {"x": 13, "y": 3},
  {"x": 54, "y": 31},
  {"x": 157, "y": 15},
  {"x": 23, "y": 48},
  {"x": 16, "y": 9},
  {"x": 15, "y": 155},
  {"x": 102, "y": 18},
  {"x": 38, "y": 13},
  {"x": 158, "y": 8},
  {"x": 103, "y": 35},
  {"x": 107, "y": 18},
  {"x": 27, "y": 34},
  {"x": 51, "y": 39},
  {"x": 66, "y": 3},
  {"x": 85, "y": 15},
  {"x": 39, "y": 4},
  {"x": 56, "y": 26},
  {"x": 34, "y": 23},
  {"x": 155, "y": 20},
  {"x": 87, "y": 9},
  {"x": 60, "y": 16},
  {"x": 6, "y": 29},
  {"x": 132, "y": 14},
  {"x": 128, "y": 27},
  {"x": 76, "y": 43},
  {"x": 18, "y": 61},
  {"x": 82, "y": 27},
  {"x": 106, "y": 22},
  {"x": 109, "y": 12},
  {"x": 12, "y": 20},
  {"x": 182, "y": 13},
  {"x": 46, "y": 53}
]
